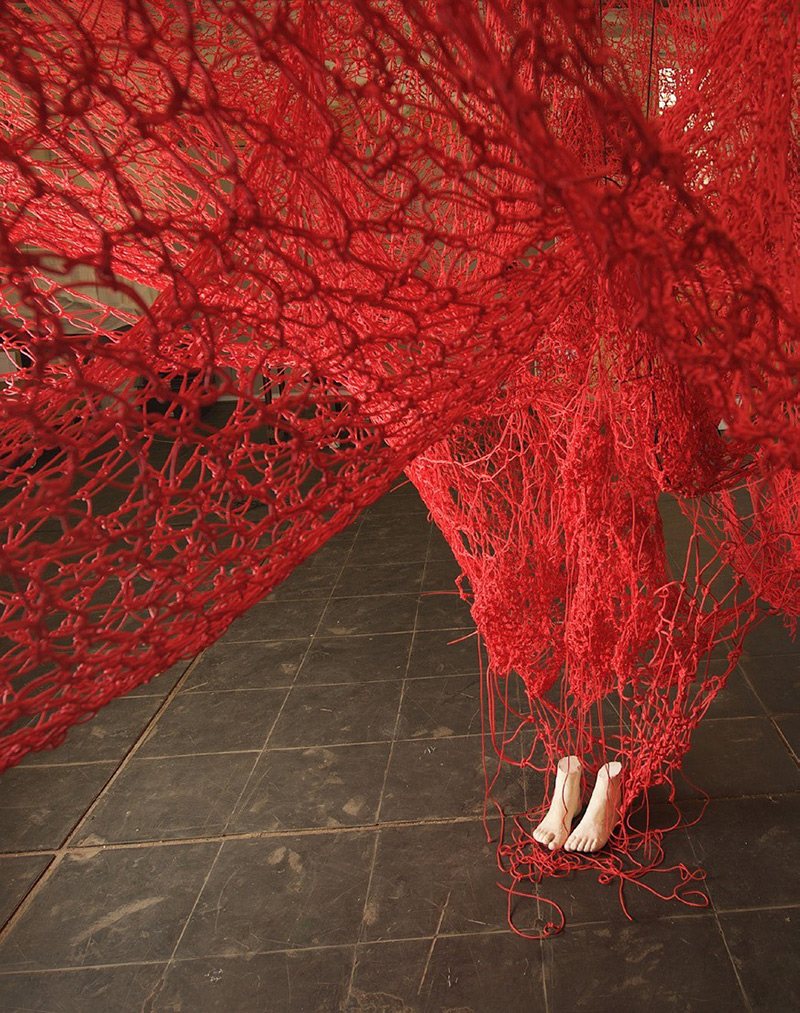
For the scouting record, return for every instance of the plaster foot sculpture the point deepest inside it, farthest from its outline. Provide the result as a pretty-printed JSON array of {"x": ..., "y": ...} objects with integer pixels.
[
  {"x": 555, "y": 827},
  {"x": 602, "y": 813}
]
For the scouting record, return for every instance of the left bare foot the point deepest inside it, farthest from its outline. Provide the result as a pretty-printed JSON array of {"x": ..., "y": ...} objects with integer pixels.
[{"x": 555, "y": 827}]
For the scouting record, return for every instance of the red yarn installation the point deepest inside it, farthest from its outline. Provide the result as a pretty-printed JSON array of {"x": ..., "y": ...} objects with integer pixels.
[{"x": 261, "y": 257}]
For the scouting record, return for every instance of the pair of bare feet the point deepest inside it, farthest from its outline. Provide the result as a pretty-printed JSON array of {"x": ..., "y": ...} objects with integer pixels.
[{"x": 601, "y": 816}]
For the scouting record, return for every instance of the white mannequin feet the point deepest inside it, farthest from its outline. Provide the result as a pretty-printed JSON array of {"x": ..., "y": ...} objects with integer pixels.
[
  {"x": 602, "y": 813},
  {"x": 554, "y": 829}
]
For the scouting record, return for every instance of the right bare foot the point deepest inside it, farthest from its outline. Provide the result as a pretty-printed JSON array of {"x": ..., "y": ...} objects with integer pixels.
[
  {"x": 555, "y": 827},
  {"x": 602, "y": 813}
]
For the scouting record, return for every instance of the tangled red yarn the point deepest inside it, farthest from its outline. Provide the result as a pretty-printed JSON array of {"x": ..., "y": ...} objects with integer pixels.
[{"x": 261, "y": 256}]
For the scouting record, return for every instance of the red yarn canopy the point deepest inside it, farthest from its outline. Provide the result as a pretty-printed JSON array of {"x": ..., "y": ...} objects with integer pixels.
[{"x": 261, "y": 256}]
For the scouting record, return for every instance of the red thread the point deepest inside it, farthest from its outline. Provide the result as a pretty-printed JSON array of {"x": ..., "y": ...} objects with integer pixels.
[{"x": 260, "y": 261}]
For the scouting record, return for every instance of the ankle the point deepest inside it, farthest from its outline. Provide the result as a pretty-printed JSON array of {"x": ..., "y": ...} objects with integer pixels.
[
  {"x": 569, "y": 766},
  {"x": 611, "y": 772}
]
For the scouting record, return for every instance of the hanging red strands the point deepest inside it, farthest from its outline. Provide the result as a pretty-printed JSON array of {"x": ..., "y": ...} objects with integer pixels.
[{"x": 260, "y": 261}]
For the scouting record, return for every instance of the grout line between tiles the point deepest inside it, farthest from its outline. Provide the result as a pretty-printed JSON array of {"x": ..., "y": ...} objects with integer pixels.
[
  {"x": 545, "y": 994},
  {"x": 784, "y": 739},
  {"x": 433, "y": 945},
  {"x": 379, "y": 807},
  {"x": 308, "y": 745},
  {"x": 334, "y": 636},
  {"x": 735, "y": 717},
  {"x": 475, "y": 817},
  {"x": 67, "y": 763},
  {"x": 315, "y": 685},
  {"x": 756, "y": 908},
  {"x": 248, "y": 835},
  {"x": 133, "y": 748},
  {"x": 189, "y": 959},
  {"x": 745, "y": 998},
  {"x": 222, "y": 956},
  {"x": 769, "y": 715},
  {"x": 160, "y": 983},
  {"x": 369, "y": 597}
]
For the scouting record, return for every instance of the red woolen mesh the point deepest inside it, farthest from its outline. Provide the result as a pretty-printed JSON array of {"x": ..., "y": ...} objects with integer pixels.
[{"x": 261, "y": 257}]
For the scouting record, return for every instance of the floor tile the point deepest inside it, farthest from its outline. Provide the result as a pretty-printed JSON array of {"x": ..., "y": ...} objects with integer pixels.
[
  {"x": 436, "y": 875},
  {"x": 306, "y": 582},
  {"x": 737, "y": 756},
  {"x": 776, "y": 680},
  {"x": 168, "y": 798},
  {"x": 393, "y": 613},
  {"x": 439, "y": 707},
  {"x": 220, "y": 722},
  {"x": 40, "y": 805},
  {"x": 247, "y": 666},
  {"x": 489, "y": 972},
  {"x": 439, "y": 548},
  {"x": 106, "y": 736},
  {"x": 678, "y": 529},
  {"x": 297, "y": 981},
  {"x": 770, "y": 637},
  {"x": 331, "y": 556},
  {"x": 442, "y": 779},
  {"x": 275, "y": 620},
  {"x": 401, "y": 499},
  {"x": 749, "y": 848},
  {"x": 443, "y": 612},
  {"x": 18, "y": 873},
  {"x": 443, "y": 653},
  {"x": 373, "y": 549},
  {"x": 678, "y": 965},
  {"x": 584, "y": 897},
  {"x": 440, "y": 575},
  {"x": 735, "y": 700},
  {"x": 281, "y": 892},
  {"x": 356, "y": 659},
  {"x": 395, "y": 527},
  {"x": 121, "y": 989},
  {"x": 109, "y": 906},
  {"x": 325, "y": 786},
  {"x": 326, "y": 715},
  {"x": 764, "y": 947},
  {"x": 386, "y": 578},
  {"x": 161, "y": 685}
]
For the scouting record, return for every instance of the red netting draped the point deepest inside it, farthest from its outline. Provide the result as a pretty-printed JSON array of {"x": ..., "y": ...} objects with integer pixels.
[{"x": 261, "y": 256}]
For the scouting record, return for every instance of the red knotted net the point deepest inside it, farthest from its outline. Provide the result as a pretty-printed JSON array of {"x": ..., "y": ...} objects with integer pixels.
[{"x": 260, "y": 256}]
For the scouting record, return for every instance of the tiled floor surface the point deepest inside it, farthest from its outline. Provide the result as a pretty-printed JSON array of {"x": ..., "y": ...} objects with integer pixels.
[{"x": 292, "y": 822}]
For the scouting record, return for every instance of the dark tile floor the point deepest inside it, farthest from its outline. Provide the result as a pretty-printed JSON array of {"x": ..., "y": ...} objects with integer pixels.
[{"x": 292, "y": 822}]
